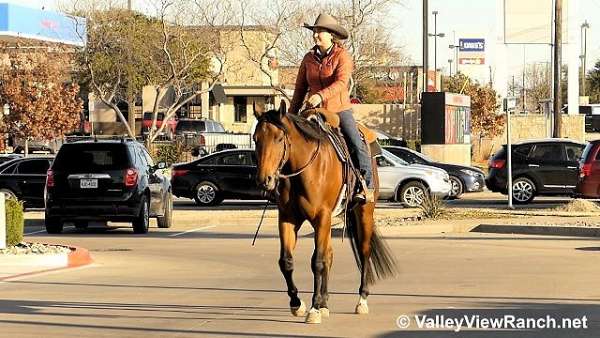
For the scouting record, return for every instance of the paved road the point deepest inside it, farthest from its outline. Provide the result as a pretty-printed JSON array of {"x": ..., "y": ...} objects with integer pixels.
[{"x": 202, "y": 278}]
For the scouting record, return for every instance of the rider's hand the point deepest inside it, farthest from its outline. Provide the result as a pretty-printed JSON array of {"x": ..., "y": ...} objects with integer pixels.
[{"x": 314, "y": 100}]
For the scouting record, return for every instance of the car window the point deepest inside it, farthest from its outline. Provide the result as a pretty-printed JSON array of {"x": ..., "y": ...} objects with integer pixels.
[
  {"x": 91, "y": 156},
  {"x": 383, "y": 162},
  {"x": 235, "y": 159},
  {"x": 523, "y": 150},
  {"x": 413, "y": 158},
  {"x": 190, "y": 126},
  {"x": 149, "y": 159},
  {"x": 207, "y": 160},
  {"x": 219, "y": 128},
  {"x": 573, "y": 152},
  {"x": 9, "y": 169},
  {"x": 39, "y": 167},
  {"x": 547, "y": 152}
]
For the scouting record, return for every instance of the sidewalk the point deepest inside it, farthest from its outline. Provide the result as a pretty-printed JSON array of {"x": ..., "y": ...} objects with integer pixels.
[{"x": 16, "y": 266}]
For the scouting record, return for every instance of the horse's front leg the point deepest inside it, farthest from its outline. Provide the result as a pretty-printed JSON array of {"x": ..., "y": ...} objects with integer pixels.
[
  {"x": 288, "y": 232},
  {"x": 320, "y": 264}
]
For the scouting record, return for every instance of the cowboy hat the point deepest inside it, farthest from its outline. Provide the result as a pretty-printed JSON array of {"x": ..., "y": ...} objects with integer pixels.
[{"x": 329, "y": 23}]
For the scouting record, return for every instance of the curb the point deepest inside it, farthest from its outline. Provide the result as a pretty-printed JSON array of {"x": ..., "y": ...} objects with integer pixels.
[
  {"x": 76, "y": 258},
  {"x": 538, "y": 230}
]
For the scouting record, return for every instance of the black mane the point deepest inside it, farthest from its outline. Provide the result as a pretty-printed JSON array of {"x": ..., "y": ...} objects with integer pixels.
[{"x": 307, "y": 128}]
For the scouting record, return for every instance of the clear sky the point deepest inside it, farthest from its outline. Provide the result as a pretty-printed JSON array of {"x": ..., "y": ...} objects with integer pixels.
[{"x": 459, "y": 18}]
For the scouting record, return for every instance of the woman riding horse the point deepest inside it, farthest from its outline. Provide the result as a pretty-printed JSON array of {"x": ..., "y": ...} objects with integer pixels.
[{"x": 324, "y": 74}]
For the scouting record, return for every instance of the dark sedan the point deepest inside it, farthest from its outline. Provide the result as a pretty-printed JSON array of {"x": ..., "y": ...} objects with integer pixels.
[
  {"x": 25, "y": 179},
  {"x": 464, "y": 179},
  {"x": 229, "y": 174}
]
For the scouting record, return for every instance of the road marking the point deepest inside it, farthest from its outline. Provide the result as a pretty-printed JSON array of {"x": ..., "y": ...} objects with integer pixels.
[
  {"x": 193, "y": 230},
  {"x": 35, "y": 232}
]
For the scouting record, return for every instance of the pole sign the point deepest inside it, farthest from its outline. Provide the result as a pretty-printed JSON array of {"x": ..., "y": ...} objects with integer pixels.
[{"x": 471, "y": 51}]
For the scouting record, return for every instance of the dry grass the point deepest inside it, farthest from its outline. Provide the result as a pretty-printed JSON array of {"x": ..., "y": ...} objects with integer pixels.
[
  {"x": 579, "y": 205},
  {"x": 433, "y": 208}
]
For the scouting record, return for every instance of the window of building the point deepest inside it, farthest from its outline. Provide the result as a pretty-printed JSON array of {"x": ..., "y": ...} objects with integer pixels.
[{"x": 239, "y": 105}]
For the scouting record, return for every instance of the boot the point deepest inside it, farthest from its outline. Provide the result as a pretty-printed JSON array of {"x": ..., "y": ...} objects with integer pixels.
[{"x": 364, "y": 194}]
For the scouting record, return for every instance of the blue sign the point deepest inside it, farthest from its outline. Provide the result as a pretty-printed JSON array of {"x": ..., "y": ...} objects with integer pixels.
[
  {"x": 471, "y": 45},
  {"x": 46, "y": 25}
]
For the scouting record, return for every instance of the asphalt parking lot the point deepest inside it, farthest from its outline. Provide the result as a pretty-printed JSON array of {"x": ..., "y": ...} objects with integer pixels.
[{"x": 202, "y": 278}]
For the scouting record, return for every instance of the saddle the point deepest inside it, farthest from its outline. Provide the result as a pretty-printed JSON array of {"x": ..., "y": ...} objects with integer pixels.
[{"x": 329, "y": 123}]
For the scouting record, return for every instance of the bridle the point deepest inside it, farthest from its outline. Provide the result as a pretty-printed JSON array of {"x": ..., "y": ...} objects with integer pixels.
[{"x": 284, "y": 159}]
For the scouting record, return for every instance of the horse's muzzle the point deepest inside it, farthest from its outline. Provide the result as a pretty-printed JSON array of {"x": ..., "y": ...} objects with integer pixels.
[{"x": 269, "y": 183}]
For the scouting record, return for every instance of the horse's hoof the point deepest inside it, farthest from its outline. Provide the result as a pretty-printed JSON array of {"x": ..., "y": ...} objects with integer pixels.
[
  {"x": 324, "y": 312},
  {"x": 299, "y": 311},
  {"x": 313, "y": 316},
  {"x": 362, "y": 309}
]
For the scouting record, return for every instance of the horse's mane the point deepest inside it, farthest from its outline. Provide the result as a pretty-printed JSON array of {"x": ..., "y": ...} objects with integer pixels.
[{"x": 308, "y": 129}]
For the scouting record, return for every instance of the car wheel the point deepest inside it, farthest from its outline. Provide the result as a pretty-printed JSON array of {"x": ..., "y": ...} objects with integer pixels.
[
  {"x": 207, "y": 194},
  {"x": 142, "y": 221},
  {"x": 53, "y": 225},
  {"x": 165, "y": 221},
  {"x": 456, "y": 189},
  {"x": 523, "y": 190},
  {"x": 9, "y": 193},
  {"x": 413, "y": 194}
]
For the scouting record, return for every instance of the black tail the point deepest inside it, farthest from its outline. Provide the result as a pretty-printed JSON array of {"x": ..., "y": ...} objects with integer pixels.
[{"x": 382, "y": 261}]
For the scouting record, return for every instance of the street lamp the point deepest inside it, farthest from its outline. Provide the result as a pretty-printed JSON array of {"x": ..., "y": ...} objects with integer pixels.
[
  {"x": 435, "y": 36},
  {"x": 584, "y": 27},
  {"x": 449, "y": 67}
]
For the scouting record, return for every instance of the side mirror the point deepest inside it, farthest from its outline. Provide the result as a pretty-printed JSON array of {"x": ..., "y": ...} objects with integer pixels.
[{"x": 161, "y": 165}]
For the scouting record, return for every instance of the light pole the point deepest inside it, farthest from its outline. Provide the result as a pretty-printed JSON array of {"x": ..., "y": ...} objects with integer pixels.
[
  {"x": 584, "y": 27},
  {"x": 435, "y": 36},
  {"x": 449, "y": 67}
]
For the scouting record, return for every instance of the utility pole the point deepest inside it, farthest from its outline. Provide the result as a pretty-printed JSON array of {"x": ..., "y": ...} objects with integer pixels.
[
  {"x": 450, "y": 67},
  {"x": 435, "y": 36},
  {"x": 131, "y": 94},
  {"x": 584, "y": 27},
  {"x": 556, "y": 132},
  {"x": 425, "y": 44}
]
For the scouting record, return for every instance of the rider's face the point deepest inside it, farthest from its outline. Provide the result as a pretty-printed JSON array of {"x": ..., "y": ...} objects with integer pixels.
[{"x": 322, "y": 37}]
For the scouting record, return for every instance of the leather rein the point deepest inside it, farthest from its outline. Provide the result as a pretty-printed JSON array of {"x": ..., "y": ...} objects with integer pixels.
[{"x": 285, "y": 157}]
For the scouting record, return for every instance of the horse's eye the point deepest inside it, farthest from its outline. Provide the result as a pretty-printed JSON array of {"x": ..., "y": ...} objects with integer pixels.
[{"x": 280, "y": 139}]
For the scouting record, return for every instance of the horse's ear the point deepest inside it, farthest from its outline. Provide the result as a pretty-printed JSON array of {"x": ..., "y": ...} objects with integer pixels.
[
  {"x": 258, "y": 110},
  {"x": 282, "y": 108}
]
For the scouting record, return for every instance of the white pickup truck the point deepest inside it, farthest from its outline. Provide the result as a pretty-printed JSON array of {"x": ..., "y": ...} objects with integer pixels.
[{"x": 207, "y": 136}]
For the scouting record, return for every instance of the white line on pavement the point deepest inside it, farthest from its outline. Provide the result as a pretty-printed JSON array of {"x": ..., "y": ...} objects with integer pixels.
[
  {"x": 193, "y": 230},
  {"x": 35, "y": 232}
]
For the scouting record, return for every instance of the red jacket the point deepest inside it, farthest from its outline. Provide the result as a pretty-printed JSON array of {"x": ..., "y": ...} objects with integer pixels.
[{"x": 329, "y": 78}]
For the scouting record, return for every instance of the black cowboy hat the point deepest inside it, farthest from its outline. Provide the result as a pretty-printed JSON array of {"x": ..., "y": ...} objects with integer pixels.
[{"x": 329, "y": 23}]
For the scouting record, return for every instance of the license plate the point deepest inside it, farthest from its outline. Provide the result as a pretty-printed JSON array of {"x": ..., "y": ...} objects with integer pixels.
[{"x": 88, "y": 183}]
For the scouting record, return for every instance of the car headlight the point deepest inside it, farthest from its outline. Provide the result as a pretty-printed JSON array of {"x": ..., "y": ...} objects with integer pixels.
[{"x": 469, "y": 172}]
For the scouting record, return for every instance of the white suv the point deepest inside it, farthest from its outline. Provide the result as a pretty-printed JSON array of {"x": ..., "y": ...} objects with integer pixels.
[{"x": 409, "y": 184}]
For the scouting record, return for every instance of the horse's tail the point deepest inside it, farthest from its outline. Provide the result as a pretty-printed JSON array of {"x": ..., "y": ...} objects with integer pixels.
[{"x": 382, "y": 263}]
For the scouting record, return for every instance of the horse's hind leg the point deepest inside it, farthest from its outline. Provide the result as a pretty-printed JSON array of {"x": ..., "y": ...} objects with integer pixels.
[
  {"x": 288, "y": 232},
  {"x": 364, "y": 217}
]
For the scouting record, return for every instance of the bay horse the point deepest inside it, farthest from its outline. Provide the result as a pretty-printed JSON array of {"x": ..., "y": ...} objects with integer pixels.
[{"x": 297, "y": 161}]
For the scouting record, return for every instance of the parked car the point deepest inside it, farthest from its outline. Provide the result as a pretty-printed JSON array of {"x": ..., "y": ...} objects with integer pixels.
[
  {"x": 106, "y": 180},
  {"x": 409, "y": 184},
  {"x": 147, "y": 123},
  {"x": 539, "y": 167},
  {"x": 386, "y": 139},
  {"x": 588, "y": 185},
  {"x": 36, "y": 145},
  {"x": 24, "y": 179},
  {"x": 227, "y": 174},
  {"x": 463, "y": 179},
  {"x": 206, "y": 136},
  {"x": 9, "y": 157}
]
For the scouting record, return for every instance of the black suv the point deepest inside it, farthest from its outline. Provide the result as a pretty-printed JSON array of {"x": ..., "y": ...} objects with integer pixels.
[
  {"x": 106, "y": 180},
  {"x": 544, "y": 167}
]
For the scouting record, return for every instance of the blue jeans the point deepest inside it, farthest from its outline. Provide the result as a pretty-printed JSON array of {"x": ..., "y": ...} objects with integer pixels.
[{"x": 357, "y": 147}]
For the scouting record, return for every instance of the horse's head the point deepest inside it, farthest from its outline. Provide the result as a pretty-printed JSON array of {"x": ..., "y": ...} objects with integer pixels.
[{"x": 271, "y": 141}]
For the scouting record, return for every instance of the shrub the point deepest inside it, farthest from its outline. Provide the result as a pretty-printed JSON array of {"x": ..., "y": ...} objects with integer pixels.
[
  {"x": 433, "y": 207},
  {"x": 169, "y": 153},
  {"x": 14, "y": 222}
]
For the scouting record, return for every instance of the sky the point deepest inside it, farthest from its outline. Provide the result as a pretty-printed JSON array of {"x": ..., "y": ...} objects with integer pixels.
[{"x": 459, "y": 19}]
